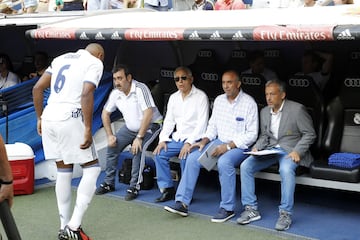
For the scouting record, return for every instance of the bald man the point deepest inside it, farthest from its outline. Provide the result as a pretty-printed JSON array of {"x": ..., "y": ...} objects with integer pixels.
[
  {"x": 232, "y": 129},
  {"x": 65, "y": 126}
]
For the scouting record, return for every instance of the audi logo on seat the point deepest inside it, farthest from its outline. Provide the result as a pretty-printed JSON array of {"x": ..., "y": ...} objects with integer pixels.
[
  {"x": 167, "y": 73},
  {"x": 299, "y": 82},
  {"x": 209, "y": 76},
  {"x": 357, "y": 118},
  {"x": 205, "y": 54},
  {"x": 272, "y": 53},
  {"x": 355, "y": 55},
  {"x": 238, "y": 54},
  {"x": 352, "y": 82},
  {"x": 251, "y": 81}
]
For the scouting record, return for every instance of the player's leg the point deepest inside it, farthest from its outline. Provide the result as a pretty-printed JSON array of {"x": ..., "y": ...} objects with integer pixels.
[
  {"x": 63, "y": 191},
  {"x": 85, "y": 192}
]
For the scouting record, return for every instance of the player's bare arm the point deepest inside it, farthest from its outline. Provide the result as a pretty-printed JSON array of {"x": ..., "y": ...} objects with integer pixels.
[
  {"x": 87, "y": 107},
  {"x": 38, "y": 97}
]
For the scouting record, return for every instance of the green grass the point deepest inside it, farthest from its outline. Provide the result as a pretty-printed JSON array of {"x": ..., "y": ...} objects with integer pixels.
[{"x": 111, "y": 218}]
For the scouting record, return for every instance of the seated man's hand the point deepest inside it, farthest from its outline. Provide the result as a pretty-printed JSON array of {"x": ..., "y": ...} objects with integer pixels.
[
  {"x": 161, "y": 145},
  {"x": 136, "y": 146},
  {"x": 294, "y": 156},
  {"x": 111, "y": 141},
  {"x": 185, "y": 151}
]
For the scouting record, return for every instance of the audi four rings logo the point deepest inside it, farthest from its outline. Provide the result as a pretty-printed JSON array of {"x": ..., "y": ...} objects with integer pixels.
[
  {"x": 251, "y": 81},
  {"x": 355, "y": 55},
  {"x": 299, "y": 82},
  {"x": 205, "y": 54},
  {"x": 167, "y": 73},
  {"x": 272, "y": 53},
  {"x": 209, "y": 76},
  {"x": 352, "y": 82},
  {"x": 357, "y": 118},
  {"x": 238, "y": 54}
]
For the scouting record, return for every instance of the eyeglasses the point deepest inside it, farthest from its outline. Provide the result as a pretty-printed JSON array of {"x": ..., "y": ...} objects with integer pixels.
[{"x": 182, "y": 78}]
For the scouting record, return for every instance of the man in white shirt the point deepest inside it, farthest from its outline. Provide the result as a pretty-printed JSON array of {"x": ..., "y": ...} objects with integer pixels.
[
  {"x": 7, "y": 77},
  {"x": 233, "y": 127},
  {"x": 188, "y": 111},
  {"x": 142, "y": 125},
  {"x": 65, "y": 126}
]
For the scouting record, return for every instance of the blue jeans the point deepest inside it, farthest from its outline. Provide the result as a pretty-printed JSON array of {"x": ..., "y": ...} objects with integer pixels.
[
  {"x": 254, "y": 164},
  {"x": 227, "y": 176},
  {"x": 125, "y": 137},
  {"x": 163, "y": 173}
]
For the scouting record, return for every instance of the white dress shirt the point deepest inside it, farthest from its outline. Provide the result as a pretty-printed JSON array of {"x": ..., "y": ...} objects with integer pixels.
[
  {"x": 275, "y": 121},
  {"x": 190, "y": 116}
]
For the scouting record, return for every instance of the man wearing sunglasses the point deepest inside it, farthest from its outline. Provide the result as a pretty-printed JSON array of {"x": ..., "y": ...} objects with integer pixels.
[
  {"x": 232, "y": 129},
  {"x": 188, "y": 112}
]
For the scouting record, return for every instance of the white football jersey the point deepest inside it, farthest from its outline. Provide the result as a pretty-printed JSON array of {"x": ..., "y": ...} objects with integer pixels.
[{"x": 68, "y": 74}]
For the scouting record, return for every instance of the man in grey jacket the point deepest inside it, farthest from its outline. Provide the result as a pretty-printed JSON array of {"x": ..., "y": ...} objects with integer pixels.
[{"x": 287, "y": 128}]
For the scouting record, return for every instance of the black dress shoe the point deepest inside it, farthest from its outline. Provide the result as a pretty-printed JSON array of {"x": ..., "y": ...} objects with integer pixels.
[{"x": 168, "y": 194}]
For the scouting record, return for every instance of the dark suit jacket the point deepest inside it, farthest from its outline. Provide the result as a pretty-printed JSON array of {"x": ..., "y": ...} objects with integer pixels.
[{"x": 296, "y": 131}]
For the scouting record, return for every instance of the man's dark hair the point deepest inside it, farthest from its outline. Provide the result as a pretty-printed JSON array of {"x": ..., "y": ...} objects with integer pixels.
[{"x": 119, "y": 67}]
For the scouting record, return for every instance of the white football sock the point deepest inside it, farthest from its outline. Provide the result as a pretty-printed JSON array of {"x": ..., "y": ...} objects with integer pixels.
[
  {"x": 63, "y": 196},
  {"x": 85, "y": 193}
]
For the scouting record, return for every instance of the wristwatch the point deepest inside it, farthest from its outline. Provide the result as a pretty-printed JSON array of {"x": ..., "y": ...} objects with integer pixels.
[
  {"x": 228, "y": 147},
  {"x": 139, "y": 137}
]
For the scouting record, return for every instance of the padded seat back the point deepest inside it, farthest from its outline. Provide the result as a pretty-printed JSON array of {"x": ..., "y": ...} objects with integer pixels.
[
  {"x": 302, "y": 89},
  {"x": 273, "y": 60},
  {"x": 166, "y": 80},
  {"x": 343, "y": 132},
  {"x": 254, "y": 85},
  {"x": 353, "y": 66},
  {"x": 207, "y": 72},
  {"x": 165, "y": 88},
  {"x": 238, "y": 60}
]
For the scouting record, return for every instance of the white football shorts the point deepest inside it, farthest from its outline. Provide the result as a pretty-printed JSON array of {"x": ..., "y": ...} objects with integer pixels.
[{"x": 61, "y": 141}]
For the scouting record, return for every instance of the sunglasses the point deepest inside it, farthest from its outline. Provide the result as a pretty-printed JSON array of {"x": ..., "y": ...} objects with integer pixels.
[{"x": 182, "y": 78}]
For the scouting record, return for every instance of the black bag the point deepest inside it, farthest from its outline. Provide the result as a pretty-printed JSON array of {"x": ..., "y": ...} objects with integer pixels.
[
  {"x": 125, "y": 171},
  {"x": 148, "y": 178},
  {"x": 125, "y": 175}
]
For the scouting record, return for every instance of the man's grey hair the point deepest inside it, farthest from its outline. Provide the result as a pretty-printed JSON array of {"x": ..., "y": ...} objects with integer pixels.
[
  {"x": 185, "y": 69},
  {"x": 281, "y": 84}
]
